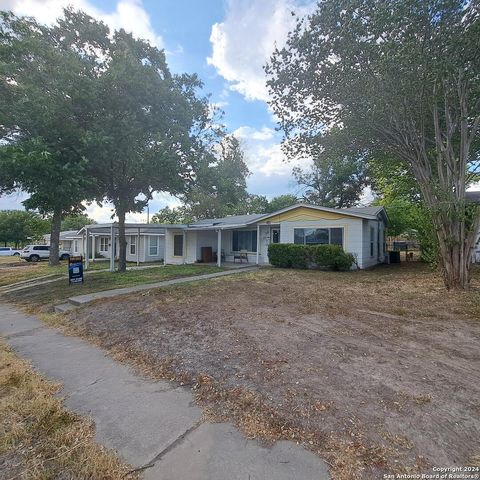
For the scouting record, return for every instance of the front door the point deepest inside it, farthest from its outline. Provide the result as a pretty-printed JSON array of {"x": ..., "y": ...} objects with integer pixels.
[{"x": 275, "y": 235}]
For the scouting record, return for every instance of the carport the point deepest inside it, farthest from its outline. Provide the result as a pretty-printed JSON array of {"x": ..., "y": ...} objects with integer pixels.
[{"x": 89, "y": 234}]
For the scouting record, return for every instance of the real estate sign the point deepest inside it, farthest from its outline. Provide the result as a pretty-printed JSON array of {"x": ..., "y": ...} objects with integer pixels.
[{"x": 75, "y": 269}]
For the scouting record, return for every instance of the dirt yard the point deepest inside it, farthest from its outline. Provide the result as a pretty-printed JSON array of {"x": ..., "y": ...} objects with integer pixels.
[{"x": 376, "y": 371}]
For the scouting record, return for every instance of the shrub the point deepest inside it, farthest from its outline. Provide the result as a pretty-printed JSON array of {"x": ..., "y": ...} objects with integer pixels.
[{"x": 288, "y": 255}]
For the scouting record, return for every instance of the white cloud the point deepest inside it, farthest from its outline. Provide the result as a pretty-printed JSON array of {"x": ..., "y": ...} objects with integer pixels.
[
  {"x": 128, "y": 14},
  {"x": 244, "y": 41},
  {"x": 246, "y": 132},
  {"x": 103, "y": 213}
]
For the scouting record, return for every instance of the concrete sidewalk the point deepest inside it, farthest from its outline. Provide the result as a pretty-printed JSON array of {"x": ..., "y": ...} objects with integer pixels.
[
  {"x": 90, "y": 297},
  {"x": 151, "y": 424}
]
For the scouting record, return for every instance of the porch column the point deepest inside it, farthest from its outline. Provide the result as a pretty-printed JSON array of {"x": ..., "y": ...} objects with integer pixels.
[
  {"x": 164, "y": 247},
  {"x": 184, "y": 252},
  {"x": 219, "y": 248},
  {"x": 258, "y": 243},
  {"x": 112, "y": 256},
  {"x": 93, "y": 248},
  {"x": 137, "y": 247},
  {"x": 86, "y": 253}
]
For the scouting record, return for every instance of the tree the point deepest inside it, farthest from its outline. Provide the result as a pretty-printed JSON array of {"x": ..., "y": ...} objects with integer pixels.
[
  {"x": 146, "y": 119},
  {"x": 400, "y": 78},
  {"x": 333, "y": 182},
  {"x": 45, "y": 107},
  {"x": 18, "y": 227},
  {"x": 76, "y": 222},
  {"x": 220, "y": 183},
  {"x": 338, "y": 174},
  {"x": 173, "y": 215},
  {"x": 280, "y": 202}
]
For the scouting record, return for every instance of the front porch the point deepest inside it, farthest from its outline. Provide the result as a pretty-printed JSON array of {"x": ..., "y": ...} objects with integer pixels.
[{"x": 220, "y": 245}]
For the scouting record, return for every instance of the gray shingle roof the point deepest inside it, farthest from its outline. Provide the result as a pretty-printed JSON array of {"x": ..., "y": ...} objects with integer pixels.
[
  {"x": 362, "y": 210},
  {"x": 473, "y": 196},
  {"x": 245, "y": 219},
  {"x": 230, "y": 220}
]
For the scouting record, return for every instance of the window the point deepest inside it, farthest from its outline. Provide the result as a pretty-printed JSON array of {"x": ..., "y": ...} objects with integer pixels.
[
  {"x": 372, "y": 241},
  {"x": 318, "y": 236},
  {"x": 178, "y": 245},
  {"x": 75, "y": 246},
  {"x": 133, "y": 244},
  {"x": 4, "y": 249},
  {"x": 244, "y": 240},
  {"x": 153, "y": 245},
  {"x": 104, "y": 244},
  {"x": 42, "y": 247}
]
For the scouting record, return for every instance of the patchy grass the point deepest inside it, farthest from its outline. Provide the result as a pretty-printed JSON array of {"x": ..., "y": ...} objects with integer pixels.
[
  {"x": 46, "y": 295},
  {"x": 39, "y": 438},
  {"x": 375, "y": 371},
  {"x": 13, "y": 270}
]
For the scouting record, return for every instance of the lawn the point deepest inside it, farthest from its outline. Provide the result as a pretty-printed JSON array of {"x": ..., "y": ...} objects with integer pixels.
[
  {"x": 50, "y": 294},
  {"x": 38, "y": 437},
  {"x": 13, "y": 270},
  {"x": 375, "y": 371}
]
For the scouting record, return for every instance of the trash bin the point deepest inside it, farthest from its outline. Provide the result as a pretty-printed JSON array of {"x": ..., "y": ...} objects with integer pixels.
[{"x": 394, "y": 256}]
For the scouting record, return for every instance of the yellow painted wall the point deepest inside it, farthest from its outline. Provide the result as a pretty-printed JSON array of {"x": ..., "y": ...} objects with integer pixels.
[{"x": 304, "y": 214}]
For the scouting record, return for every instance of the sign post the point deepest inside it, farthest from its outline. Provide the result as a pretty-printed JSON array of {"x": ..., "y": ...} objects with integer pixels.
[{"x": 75, "y": 269}]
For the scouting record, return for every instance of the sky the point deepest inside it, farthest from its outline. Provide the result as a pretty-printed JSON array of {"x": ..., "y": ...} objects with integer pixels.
[{"x": 226, "y": 42}]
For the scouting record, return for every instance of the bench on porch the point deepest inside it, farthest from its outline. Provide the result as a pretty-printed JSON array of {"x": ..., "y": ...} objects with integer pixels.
[{"x": 241, "y": 255}]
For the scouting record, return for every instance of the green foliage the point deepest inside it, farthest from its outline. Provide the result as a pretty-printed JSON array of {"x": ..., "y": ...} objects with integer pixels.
[
  {"x": 400, "y": 79},
  {"x": 289, "y": 255},
  {"x": 43, "y": 117},
  {"x": 280, "y": 202},
  {"x": 173, "y": 215},
  {"x": 338, "y": 174},
  {"x": 220, "y": 184},
  {"x": 76, "y": 222},
  {"x": 18, "y": 227}
]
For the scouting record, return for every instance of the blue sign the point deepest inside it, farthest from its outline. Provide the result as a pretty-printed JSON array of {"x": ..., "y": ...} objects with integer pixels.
[{"x": 75, "y": 270}]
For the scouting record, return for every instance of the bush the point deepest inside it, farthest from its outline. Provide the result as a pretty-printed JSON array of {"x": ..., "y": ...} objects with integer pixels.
[{"x": 288, "y": 255}]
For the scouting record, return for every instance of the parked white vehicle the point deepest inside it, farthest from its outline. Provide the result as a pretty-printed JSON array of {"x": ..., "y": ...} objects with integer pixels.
[
  {"x": 8, "y": 251},
  {"x": 35, "y": 253}
]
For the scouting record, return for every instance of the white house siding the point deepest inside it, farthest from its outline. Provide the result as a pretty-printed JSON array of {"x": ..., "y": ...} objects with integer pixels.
[
  {"x": 378, "y": 244},
  {"x": 352, "y": 233}
]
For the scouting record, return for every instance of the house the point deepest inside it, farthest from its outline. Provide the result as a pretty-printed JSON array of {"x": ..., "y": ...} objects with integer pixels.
[
  {"x": 69, "y": 241},
  {"x": 474, "y": 197},
  {"x": 360, "y": 231},
  {"x": 145, "y": 242}
]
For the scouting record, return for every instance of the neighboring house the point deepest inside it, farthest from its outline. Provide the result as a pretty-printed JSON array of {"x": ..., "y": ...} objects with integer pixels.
[
  {"x": 145, "y": 242},
  {"x": 360, "y": 231},
  {"x": 474, "y": 197},
  {"x": 70, "y": 241}
]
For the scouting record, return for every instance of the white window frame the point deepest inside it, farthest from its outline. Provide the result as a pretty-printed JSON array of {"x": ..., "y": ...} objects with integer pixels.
[
  {"x": 75, "y": 246},
  {"x": 103, "y": 247},
  {"x": 133, "y": 243},
  {"x": 150, "y": 254},
  {"x": 342, "y": 227}
]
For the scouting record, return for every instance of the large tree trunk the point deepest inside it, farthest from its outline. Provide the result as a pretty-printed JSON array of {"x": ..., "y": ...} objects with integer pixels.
[
  {"x": 55, "y": 238},
  {"x": 122, "y": 253}
]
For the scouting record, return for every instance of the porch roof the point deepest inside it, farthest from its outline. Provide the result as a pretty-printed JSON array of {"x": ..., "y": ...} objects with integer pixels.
[{"x": 130, "y": 229}]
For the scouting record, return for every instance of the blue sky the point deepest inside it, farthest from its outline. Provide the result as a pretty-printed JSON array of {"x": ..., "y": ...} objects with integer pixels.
[{"x": 226, "y": 42}]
